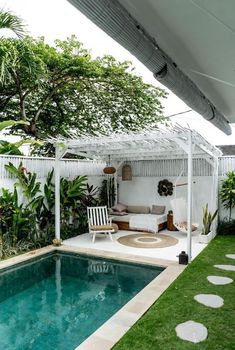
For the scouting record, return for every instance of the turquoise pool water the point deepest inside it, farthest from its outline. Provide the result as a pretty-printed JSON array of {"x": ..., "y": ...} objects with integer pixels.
[{"x": 55, "y": 302}]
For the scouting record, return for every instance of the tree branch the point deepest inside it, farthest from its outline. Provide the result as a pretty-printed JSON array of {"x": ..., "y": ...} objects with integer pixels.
[
  {"x": 21, "y": 96},
  {"x": 60, "y": 82}
]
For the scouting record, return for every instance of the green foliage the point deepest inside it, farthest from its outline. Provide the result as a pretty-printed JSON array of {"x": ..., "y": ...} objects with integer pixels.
[
  {"x": 46, "y": 216},
  {"x": 70, "y": 193},
  {"x": 208, "y": 218},
  {"x": 9, "y": 148},
  {"x": 15, "y": 219},
  {"x": 75, "y": 196},
  {"x": 87, "y": 200},
  {"x": 107, "y": 193},
  {"x": 226, "y": 227},
  {"x": 8, "y": 123},
  {"x": 227, "y": 192},
  {"x": 61, "y": 88},
  {"x": 7, "y": 249},
  {"x": 12, "y": 148},
  {"x": 32, "y": 223},
  {"x": 27, "y": 182}
]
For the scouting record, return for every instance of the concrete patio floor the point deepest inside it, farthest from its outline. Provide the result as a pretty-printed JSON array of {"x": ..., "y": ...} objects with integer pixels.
[{"x": 105, "y": 244}]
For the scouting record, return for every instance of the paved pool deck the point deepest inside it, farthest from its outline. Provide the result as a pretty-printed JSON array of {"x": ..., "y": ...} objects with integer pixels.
[{"x": 168, "y": 253}]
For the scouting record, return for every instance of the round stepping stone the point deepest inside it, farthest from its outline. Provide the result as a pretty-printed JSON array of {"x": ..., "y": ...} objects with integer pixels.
[
  {"x": 192, "y": 331},
  {"x": 210, "y": 300},
  {"x": 226, "y": 267},
  {"x": 218, "y": 280},
  {"x": 231, "y": 256}
]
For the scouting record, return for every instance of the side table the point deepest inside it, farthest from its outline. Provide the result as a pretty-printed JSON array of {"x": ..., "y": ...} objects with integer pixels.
[{"x": 170, "y": 225}]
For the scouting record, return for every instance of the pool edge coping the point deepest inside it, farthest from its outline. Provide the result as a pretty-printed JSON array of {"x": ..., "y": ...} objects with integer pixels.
[{"x": 106, "y": 336}]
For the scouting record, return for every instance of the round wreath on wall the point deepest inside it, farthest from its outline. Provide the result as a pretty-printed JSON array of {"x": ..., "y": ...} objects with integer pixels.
[{"x": 165, "y": 188}]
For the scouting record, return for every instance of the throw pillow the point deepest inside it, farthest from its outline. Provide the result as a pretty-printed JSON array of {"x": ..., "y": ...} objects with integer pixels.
[
  {"x": 119, "y": 207},
  {"x": 118, "y": 213},
  {"x": 158, "y": 209},
  {"x": 138, "y": 209}
]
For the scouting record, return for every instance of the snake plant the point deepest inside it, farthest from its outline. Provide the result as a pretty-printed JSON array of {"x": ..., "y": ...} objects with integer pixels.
[{"x": 208, "y": 218}]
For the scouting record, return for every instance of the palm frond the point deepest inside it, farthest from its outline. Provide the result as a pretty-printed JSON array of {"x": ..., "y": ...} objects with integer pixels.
[{"x": 10, "y": 21}]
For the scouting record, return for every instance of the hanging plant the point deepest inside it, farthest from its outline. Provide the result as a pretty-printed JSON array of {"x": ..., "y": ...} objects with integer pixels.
[
  {"x": 107, "y": 192},
  {"x": 165, "y": 188}
]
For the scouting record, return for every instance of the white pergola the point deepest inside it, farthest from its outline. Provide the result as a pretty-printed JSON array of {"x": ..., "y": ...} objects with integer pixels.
[{"x": 177, "y": 142}]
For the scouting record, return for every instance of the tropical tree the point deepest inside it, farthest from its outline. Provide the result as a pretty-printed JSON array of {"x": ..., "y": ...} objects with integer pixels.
[
  {"x": 227, "y": 192},
  {"x": 61, "y": 90},
  {"x": 10, "y": 21}
]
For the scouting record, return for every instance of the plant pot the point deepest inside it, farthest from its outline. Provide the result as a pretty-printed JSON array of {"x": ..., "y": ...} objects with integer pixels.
[
  {"x": 57, "y": 242},
  {"x": 205, "y": 239}
]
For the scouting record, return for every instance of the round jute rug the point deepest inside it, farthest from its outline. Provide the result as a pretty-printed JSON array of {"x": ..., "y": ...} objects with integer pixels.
[{"x": 147, "y": 240}]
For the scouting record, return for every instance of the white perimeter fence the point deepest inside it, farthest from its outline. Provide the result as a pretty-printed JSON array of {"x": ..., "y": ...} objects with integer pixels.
[
  {"x": 41, "y": 166},
  {"x": 157, "y": 168}
]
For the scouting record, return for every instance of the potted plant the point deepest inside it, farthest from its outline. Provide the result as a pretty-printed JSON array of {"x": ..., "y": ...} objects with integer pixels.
[
  {"x": 206, "y": 235},
  {"x": 57, "y": 242}
]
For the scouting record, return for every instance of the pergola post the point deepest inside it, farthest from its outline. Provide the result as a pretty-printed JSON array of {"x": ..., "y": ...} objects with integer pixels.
[
  {"x": 59, "y": 152},
  {"x": 190, "y": 197},
  {"x": 57, "y": 193}
]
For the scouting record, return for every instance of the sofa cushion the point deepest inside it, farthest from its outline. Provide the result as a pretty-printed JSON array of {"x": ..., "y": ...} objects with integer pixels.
[
  {"x": 158, "y": 209},
  {"x": 118, "y": 213},
  {"x": 102, "y": 227},
  {"x": 137, "y": 209},
  {"x": 119, "y": 207}
]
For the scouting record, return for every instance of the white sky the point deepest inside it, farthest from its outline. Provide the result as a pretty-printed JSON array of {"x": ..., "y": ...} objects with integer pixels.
[{"x": 58, "y": 19}]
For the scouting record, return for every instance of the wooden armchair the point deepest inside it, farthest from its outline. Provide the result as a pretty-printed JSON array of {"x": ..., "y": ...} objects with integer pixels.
[{"x": 99, "y": 222}]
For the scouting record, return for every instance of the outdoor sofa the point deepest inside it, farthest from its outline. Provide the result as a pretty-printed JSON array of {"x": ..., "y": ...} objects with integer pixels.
[{"x": 139, "y": 218}]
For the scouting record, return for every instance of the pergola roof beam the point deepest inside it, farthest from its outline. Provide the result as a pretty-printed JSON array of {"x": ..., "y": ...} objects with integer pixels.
[
  {"x": 167, "y": 141},
  {"x": 119, "y": 139}
]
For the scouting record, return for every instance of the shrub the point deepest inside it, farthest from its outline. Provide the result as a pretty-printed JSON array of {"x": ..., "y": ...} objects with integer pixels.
[
  {"x": 226, "y": 227},
  {"x": 227, "y": 192}
]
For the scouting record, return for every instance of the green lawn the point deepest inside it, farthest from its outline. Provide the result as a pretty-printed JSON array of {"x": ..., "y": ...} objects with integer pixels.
[{"x": 156, "y": 329}]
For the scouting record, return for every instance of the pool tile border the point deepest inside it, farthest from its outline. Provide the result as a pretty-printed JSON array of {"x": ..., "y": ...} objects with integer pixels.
[
  {"x": 106, "y": 336},
  {"x": 25, "y": 257}
]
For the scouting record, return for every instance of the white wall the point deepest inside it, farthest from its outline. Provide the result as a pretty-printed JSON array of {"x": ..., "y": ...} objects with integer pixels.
[{"x": 144, "y": 191}]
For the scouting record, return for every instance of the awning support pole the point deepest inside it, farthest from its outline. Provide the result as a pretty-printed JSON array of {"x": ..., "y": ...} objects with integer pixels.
[{"x": 189, "y": 214}]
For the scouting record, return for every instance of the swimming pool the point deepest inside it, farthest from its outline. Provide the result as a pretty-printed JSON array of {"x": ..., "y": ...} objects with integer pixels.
[{"x": 56, "y": 301}]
